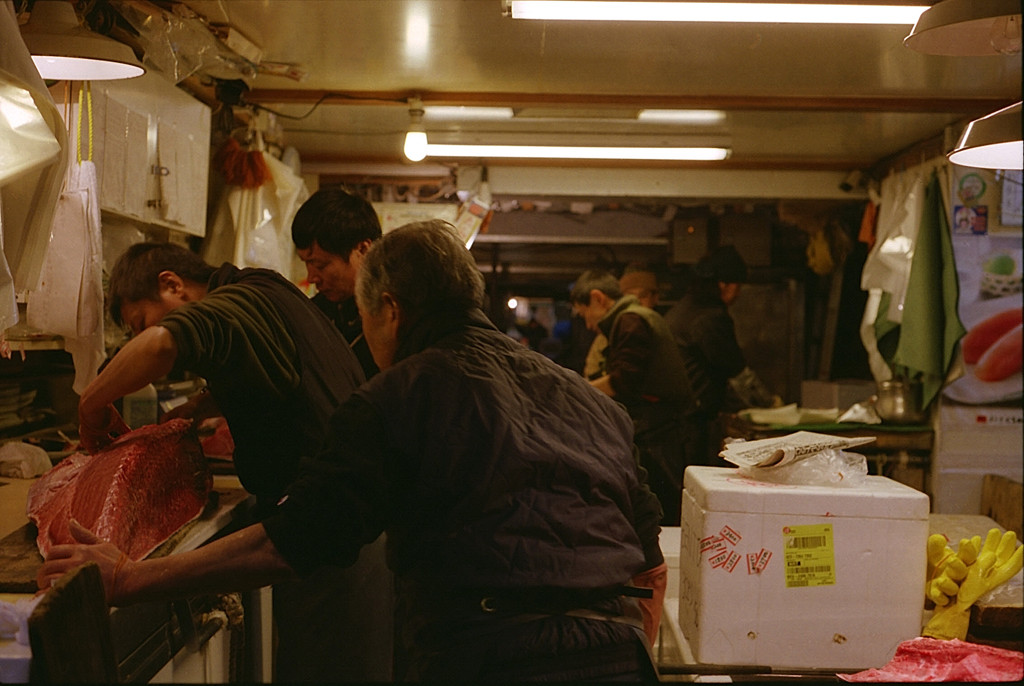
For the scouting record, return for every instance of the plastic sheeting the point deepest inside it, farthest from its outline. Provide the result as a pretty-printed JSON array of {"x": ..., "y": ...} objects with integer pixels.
[
  {"x": 179, "y": 45},
  {"x": 28, "y": 195},
  {"x": 69, "y": 298}
]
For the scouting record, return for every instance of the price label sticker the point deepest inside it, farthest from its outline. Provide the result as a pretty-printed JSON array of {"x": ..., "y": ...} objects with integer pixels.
[{"x": 809, "y": 555}]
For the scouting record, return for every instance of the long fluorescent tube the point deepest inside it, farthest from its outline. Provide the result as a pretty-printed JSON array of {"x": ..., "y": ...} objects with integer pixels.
[
  {"x": 568, "y": 152},
  {"x": 693, "y": 117},
  {"x": 463, "y": 113},
  {"x": 746, "y": 12}
]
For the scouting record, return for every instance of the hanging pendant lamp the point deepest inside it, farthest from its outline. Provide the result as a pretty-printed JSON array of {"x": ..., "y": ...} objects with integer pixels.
[
  {"x": 965, "y": 28},
  {"x": 63, "y": 49},
  {"x": 992, "y": 142}
]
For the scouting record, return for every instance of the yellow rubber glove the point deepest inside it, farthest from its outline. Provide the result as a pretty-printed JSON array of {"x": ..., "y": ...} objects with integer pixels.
[
  {"x": 999, "y": 559},
  {"x": 947, "y": 568}
]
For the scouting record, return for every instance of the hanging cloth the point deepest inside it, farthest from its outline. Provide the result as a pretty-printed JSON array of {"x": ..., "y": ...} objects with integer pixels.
[
  {"x": 931, "y": 327},
  {"x": 69, "y": 298}
]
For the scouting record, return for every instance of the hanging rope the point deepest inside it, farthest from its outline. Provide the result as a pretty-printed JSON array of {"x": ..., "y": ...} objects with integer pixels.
[{"x": 85, "y": 92}]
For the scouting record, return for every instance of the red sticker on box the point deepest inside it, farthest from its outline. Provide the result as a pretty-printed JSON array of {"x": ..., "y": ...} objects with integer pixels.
[
  {"x": 711, "y": 544},
  {"x": 756, "y": 562},
  {"x": 730, "y": 564},
  {"x": 729, "y": 535},
  {"x": 719, "y": 559}
]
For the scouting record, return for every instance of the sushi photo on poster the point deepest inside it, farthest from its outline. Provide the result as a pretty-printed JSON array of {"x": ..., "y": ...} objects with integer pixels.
[{"x": 986, "y": 227}]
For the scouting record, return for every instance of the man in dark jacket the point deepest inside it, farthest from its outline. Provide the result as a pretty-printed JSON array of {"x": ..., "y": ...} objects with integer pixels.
[
  {"x": 516, "y": 512},
  {"x": 276, "y": 368},
  {"x": 644, "y": 371},
  {"x": 332, "y": 232},
  {"x": 717, "y": 368}
]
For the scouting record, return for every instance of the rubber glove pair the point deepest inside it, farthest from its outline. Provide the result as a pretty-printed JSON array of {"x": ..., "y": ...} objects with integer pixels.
[{"x": 958, "y": 579}]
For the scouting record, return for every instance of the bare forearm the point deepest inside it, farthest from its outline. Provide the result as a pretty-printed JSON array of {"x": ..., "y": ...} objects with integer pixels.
[
  {"x": 241, "y": 561},
  {"x": 144, "y": 359}
]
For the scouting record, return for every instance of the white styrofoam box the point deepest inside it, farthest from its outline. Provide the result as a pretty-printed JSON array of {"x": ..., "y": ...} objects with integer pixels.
[{"x": 805, "y": 577}]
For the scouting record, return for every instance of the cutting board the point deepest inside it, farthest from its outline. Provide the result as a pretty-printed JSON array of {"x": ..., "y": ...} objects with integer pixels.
[{"x": 19, "y": 561}]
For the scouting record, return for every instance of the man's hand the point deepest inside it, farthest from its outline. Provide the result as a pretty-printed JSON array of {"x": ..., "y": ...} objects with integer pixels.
[
  {"x": 90, "y": 548},
  {"x": 99, "y": 429},
  {"x": 998, "y": 560}
]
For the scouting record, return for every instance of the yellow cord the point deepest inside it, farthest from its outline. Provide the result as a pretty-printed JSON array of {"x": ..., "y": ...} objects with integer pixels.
[
  {"x": 88, "y": 96},
  {"x": 78, "y": 129},
  {"x": 84, "y": 92}
]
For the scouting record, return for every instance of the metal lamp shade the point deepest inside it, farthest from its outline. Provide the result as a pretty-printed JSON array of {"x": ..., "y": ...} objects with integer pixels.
[
  {"x": 992, "y": 142},
  {"x": 63, "y": 49},
  {"x": 968, "y": 28}
]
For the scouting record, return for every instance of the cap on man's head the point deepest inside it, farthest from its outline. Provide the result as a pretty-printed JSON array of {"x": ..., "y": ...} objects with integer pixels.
[{"x": 723, "y": 264}]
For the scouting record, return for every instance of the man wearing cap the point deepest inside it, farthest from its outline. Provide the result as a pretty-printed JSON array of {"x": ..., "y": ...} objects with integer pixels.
[
  {"x": 704, "y": 330},
  {"x": 636, "y": 281}
]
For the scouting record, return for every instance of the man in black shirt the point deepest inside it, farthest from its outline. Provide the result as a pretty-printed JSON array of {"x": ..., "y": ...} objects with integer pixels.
[{"x": 332, "y": 232}]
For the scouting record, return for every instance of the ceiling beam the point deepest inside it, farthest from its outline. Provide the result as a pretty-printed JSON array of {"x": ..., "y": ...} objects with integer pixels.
[{"x": 289, "y": 96}]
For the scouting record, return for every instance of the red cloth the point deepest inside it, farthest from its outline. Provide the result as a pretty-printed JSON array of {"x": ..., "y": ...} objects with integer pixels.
[
  {"x": 930, "y": 659},
  {"x": 655, "y": 579},
  {"x": 868, "y": 225}
]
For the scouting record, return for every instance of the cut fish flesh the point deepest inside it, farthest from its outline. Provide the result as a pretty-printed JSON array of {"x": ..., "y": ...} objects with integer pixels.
[{"x": 136, "y": 493}]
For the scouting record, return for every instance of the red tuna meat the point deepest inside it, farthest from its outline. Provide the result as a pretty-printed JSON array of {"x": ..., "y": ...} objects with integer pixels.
[{"x": 135, "y": 493}]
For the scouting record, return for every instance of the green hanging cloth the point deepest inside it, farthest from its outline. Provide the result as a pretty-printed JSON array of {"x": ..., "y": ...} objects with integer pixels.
[{"x": 931, "y": 327}]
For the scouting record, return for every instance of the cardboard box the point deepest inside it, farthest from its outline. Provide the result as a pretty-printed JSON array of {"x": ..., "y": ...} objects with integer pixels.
[
  {"x": 804, "y": 577},
  {"x": 840, "y": 395}
]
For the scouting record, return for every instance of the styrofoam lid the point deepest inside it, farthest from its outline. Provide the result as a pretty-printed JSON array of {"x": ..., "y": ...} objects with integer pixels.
[{"x": 723, "y": 489}]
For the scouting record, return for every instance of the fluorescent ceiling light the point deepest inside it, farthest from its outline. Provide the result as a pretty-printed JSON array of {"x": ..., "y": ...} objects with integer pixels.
[
  {"x": 992, "y": 142},
  {"x": 702, "y": 117},
  {"x": 747, "y": 12},
  {"x": 567, "y": 152},
  {"x": 62, "y": 48},
  {"x": 461, "y": 113}
]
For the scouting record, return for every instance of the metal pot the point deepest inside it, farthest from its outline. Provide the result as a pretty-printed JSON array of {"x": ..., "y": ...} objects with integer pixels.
[{"x": 899, "y": 402}]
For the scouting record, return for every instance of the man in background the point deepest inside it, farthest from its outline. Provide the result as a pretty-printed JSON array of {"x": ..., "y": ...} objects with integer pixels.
[
  {"x": 706, "y": 335},
  {"x": 645, "y": 372},
  {"x": 636, "y": 281},
  {"x": 332, "y": 231}
]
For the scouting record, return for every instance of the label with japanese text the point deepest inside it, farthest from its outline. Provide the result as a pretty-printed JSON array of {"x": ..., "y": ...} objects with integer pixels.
[{"x": 809, "y": 555}]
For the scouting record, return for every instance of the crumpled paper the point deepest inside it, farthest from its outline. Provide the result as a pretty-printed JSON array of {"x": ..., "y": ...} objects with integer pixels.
[{"x": 23, "y": 461}]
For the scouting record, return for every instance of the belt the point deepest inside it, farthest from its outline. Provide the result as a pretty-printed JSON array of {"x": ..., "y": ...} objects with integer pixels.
[{"x": 549, "y": 601}]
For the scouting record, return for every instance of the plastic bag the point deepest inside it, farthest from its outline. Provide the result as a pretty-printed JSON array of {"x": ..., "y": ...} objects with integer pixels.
[
  {"x": 837, "y": 468},
  {"x": 23, "y": 461}
]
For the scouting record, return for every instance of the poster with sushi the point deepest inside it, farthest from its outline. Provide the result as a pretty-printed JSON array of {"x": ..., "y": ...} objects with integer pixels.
[{"x": 986, "y": 227}]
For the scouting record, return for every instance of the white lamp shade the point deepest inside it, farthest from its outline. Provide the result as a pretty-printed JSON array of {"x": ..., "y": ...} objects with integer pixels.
[
  {"x": 63, "y": 49},
  {"x": 965, "y": 28},
  {"x": 992, "y": 142}
]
